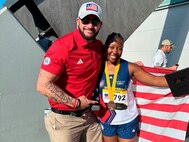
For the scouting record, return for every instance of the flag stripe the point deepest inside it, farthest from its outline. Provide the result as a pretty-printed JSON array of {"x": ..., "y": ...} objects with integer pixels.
[
  {"x": 176, "y": 124},
  {"x": 157, "y": 71},
  {"x": 156, "y": 137},
  {"x": 164, "y": 115},
  {"x": 150, "y": 96},
  {"x": 166, "y": 107},
  {"x": 163, "y": 131},
  {"x": 164, "y": 100},
  {"x": 151, "y": 89}
]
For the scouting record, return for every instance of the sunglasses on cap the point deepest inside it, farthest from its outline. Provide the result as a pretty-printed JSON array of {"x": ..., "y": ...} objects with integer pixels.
[{"x": 86, "y": 20}]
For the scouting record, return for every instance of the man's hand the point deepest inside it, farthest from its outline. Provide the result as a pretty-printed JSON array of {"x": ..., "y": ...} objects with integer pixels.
[
  {"x": 85, "y": 102},
  {"x": 174, "y": 67}
]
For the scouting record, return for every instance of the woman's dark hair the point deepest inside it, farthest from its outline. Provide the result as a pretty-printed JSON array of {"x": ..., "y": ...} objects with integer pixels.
[{"x": 111, "y": 38}]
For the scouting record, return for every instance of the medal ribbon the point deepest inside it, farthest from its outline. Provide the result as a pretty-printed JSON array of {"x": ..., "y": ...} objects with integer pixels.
[{"x": 111, "y": 89}]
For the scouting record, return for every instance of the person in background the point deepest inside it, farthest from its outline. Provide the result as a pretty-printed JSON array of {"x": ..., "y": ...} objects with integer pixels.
[
  {"x": 118, "y": 112},
  {"x": 159, "y": 60},
  {"x": 67, "y": 77}
]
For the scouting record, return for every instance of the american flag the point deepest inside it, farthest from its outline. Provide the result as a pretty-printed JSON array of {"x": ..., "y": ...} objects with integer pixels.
[
  {"x": 92, "y": 6},
  {"x": 163, "y": 118}
]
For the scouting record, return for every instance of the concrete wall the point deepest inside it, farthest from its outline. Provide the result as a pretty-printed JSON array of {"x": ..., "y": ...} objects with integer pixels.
[
  {"x": 122, "y": 16},
  {"x": 171, "y": 23},
  {"x": 21, "y": 107}
]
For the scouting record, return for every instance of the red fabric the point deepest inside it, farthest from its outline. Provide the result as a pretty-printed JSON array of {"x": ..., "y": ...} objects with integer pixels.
[
  {"x": 163, "y": 118},
  {"x": 76, "y": 62}
]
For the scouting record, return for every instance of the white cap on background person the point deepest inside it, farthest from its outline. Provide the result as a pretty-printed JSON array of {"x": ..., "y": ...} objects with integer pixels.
[{"x": 168, "y": 42}]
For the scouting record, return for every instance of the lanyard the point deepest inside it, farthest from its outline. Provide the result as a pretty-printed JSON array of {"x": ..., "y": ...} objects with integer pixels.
[{"x": 111, "y": 89}]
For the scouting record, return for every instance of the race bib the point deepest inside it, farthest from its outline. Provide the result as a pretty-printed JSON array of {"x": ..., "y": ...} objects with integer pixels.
[{"x": 120, "y": 96}]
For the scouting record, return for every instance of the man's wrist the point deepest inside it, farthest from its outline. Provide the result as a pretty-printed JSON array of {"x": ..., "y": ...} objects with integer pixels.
[{"x": 78, "y": 103}]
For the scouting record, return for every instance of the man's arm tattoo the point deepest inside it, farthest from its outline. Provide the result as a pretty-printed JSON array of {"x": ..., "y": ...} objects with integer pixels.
[{"x": 58, "y": 94}]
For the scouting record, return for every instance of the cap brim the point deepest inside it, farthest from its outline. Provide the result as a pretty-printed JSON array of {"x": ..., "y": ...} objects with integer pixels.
[{"x": 173, "y": 46}]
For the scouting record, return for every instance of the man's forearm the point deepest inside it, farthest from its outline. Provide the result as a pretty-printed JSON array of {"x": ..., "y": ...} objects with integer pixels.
[{"x": 58, "y": 95}]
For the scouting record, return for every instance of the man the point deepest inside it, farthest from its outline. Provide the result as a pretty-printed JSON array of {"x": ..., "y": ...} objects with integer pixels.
[
  {"x": 159, "y": 59},
  {"x": 68, "y": 77}
]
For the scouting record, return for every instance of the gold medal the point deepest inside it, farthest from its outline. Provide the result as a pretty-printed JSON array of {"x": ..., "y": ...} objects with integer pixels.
[{"x": 111, "y": 105}]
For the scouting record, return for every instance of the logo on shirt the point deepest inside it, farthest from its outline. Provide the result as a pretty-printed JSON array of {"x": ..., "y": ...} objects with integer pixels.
[
  {"x": 120, "y": 82},
  {"x": 47, "y": 61},
  {"x": 133, "y": 131},
  {"x": 79, "y": 62}
]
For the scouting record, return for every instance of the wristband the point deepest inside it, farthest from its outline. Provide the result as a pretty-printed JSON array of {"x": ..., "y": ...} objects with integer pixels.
[
  {"x": 78, "y": 104},
  {"x": 75, "y": 103}
]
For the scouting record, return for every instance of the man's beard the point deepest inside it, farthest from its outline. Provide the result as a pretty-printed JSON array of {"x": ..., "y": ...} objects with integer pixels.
[{"x": 85, "y": 37}]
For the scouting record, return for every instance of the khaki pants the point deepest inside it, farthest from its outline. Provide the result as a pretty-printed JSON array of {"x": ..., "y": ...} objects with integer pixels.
[{"x": 67, "y": 128}]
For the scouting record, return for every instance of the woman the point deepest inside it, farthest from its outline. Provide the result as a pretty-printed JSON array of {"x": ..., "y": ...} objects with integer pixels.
[{"x": 118, "y": 112}]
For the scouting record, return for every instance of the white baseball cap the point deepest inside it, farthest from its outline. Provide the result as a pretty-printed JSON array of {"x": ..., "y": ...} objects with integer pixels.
[
  {"x": 89, "y": 8},
  {"x": 168, "y": 42}
]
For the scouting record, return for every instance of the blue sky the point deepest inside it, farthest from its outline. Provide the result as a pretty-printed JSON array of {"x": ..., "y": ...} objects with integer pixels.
[{"x": 1, "y": 3}]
